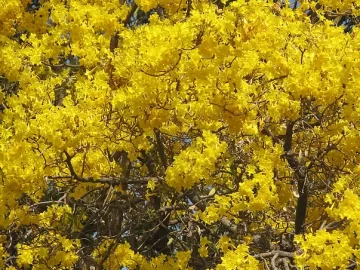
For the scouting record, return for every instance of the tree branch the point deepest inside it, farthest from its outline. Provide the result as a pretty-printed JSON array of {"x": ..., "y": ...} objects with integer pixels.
[
  {"x": 273, "y": 253},
  {"x": 105, "y": 180},
  {"x": 160, "y": 147},
  {"x": 301, "y": 175}
]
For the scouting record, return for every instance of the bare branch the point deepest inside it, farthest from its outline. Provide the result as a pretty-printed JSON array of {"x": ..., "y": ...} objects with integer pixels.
[
  {"x": 160, "y": 147},
  {"x": 273, "y": 260},
  {"x": 105, "y": 180},
  {"x": 285, "y": 263},
  {"x": 272, "y": 253}
]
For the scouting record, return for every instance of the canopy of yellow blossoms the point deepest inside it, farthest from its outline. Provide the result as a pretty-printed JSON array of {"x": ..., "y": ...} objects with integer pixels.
[{"x": 210, "y": 135}]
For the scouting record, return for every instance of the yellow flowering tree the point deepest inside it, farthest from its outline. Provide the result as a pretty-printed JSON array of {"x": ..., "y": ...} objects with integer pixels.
[{"x": 158, "y": 134}]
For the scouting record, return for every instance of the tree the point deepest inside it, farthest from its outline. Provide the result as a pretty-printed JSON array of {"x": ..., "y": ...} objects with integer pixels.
[{"x": 179, "y": 134}]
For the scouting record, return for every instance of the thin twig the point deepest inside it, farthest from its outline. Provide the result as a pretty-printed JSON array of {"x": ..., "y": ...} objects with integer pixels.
[{"x": 60, "y": 65}]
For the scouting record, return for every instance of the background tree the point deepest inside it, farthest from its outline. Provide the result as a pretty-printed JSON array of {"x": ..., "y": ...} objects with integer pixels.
[{"x": 179, "y": 134}]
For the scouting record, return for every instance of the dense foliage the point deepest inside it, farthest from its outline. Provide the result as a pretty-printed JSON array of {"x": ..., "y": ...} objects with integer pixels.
[{"x": 162, "y": 134}]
